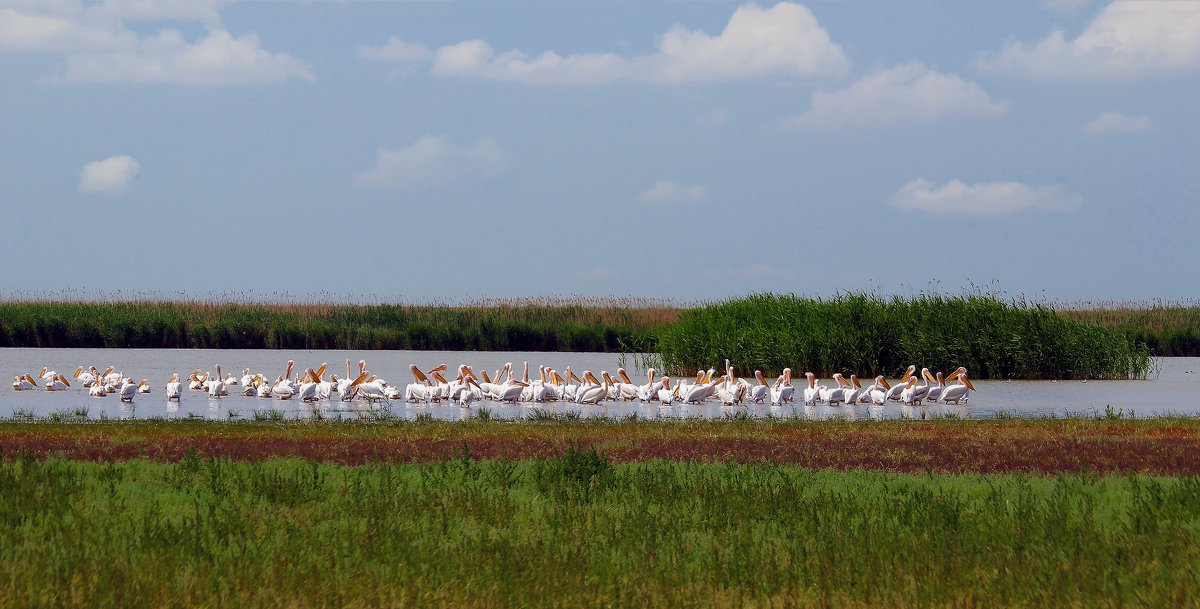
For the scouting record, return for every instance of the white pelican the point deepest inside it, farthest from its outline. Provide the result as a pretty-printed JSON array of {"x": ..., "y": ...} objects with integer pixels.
[
  {"x": 592, "y": 392},
  {"x": 664, "y": 393},
  {"x": 308, "y": 386},
  {"x": 811, "y": 393},
  {"x": 144, "y": 386},
  {"x": 626, "y": 390},
  {"x": 58, "y": 383},
  {"x": 761, "y": 391},
  {"x": 852, "y": 390},
  {"x": 247, "y": 378},
  {"x": 371, "y": 388},
  {"x": 879, "y": 391},
  {"x": 195, "y": 381},
  {"x": 174, "y": 386},
  {"x": 646, "y": 392},
  {"x": 97, "y": 390},
  {"x": 283, "y": 387},
  {"x": 128, "y": 390},
  {"x": 786, "y": 390},
  {"x": 216, "y": 385},
  {"x": 935, "y": 391},
  {"x": 86, "y": 377},
  {"x": 961, "y": 390},
  {"x": 837, "y": 394},
  {"x": 894, "y": 393},
  {"x": 24, "y": 382}
]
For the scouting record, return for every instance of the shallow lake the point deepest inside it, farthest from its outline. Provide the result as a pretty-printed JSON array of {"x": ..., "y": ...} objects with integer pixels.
[{"x": 1174, "y": 388}]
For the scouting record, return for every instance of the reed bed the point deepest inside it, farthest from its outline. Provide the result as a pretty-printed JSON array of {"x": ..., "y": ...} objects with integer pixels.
[
  {"x": 613, "y": 325},
  {"x": 869, "y": 335},
  {"x": 1168, "y": 329},
  {"x": 579, "y": 530}
]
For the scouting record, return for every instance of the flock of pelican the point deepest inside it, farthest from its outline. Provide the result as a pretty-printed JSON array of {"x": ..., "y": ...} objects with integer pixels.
[{"x": 504, "y": 385}]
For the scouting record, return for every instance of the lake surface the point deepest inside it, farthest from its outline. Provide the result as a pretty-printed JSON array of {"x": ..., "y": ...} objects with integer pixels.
[{"x": 1173, "y": 389}]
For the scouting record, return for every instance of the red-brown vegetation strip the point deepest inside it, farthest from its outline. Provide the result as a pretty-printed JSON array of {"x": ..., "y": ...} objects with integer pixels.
[{"x": 1149, "y": 446}]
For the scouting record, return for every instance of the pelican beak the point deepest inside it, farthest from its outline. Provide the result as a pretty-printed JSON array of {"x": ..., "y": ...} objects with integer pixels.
[
  {"x": 885, "y": 384},
  {"x": 968, "y": 382}
]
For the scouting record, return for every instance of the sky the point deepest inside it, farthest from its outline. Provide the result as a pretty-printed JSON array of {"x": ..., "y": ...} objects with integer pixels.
[{"x": 689, "y": 151}]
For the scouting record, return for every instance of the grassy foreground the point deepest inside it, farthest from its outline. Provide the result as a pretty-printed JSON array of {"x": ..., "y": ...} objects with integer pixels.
[{"x": 578, "y": 530}]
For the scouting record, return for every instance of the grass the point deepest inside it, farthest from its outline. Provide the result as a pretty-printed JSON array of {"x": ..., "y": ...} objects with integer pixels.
[
  {"x": 578, "y": 529},
  {"x": 868, "y": 335}
]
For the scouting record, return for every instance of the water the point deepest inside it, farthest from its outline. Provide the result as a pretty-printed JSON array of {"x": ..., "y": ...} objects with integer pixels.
[{"x": 1172, "y": 390}]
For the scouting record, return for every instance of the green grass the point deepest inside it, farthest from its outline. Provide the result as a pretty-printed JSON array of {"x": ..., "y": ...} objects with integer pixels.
[
  {"x": 578, "y": 530},
  {"x": 868, "y": 335}
]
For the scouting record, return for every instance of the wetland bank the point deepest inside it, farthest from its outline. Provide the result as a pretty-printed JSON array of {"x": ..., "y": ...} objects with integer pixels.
[{"x": 1091, "y": 506}]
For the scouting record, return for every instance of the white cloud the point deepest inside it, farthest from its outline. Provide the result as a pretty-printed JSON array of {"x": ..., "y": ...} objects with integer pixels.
[
  {"x": 782, "y": 41},
  {"x": 664, "y": 193},
  {"x": 216, "y": 59},
  {"x": 986, "y": 198},
  {"x": 395, "y": 50},
  {"x": 111, "y": 177},
  {"x": 434, "y": 160},
  {"x": 1128, "y": 39},
  {"x": 1115, "y": 122},
  {"x": 99, "y": 48},
  {"x": 908, "y": 92}
]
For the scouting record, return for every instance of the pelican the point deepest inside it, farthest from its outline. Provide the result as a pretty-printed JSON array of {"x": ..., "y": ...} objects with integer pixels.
[
  {"x": 811, "y": 393},
  {"x": 128, "y": 390},
  {"x": 879, "y": 391},
  {"x": 97, "y": 390},
  {"x": 852, "y": 390},
  {"x": 591, "y": 393},
  {"x": 935, "y": 391},
  {"x": 761, "y": 391},
  {"x": 664, "y": 393},
  {"x": 837, "y": 394},
  {"x": 894, "y": 393},
  {"x": 144, "y": 386},
  {"x": 174, "y": 386},
  {"x": 195, "y": 382},
  {"x": 467, "y": 395},
  {"x": 308, "y": 386},
  {"x": 958, "y": 392},
  {"x": 216, "y": 385},
  {"x": 57, "y": 383},
  {"x": 626, "y": 390},
  {"x": 784, "y": 387},
  {"x": 24, "y": 382}
]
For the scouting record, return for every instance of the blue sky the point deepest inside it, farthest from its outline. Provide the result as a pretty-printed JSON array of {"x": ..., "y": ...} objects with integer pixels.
[{"x": 448, "y": 151}]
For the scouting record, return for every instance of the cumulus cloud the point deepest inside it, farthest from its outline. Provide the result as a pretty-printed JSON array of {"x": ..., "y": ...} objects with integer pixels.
[
  {"x": 665, "y": 193},
  {"x": 434, "y": 160},
  {"x": 395, "y": 50},
  {"x": 1128, "y": 39},
  {"x": 908, "y": 92},
  {"x": 986, "y": 198},
  {"x": 98, "y": 46},
  {"x": 1115, "y": 122},
  {"x": 216, "y": 59},
  {"x": 782, "y": 41},
  {"x": 111, "y": 176}
]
